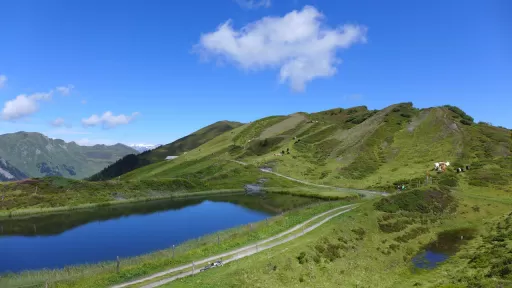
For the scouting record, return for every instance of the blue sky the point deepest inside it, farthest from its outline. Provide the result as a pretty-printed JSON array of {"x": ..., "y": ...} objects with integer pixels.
[{"x": 154, "y": 71}]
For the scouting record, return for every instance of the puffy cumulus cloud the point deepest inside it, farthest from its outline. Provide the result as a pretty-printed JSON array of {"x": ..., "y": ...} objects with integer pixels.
[
  {"x": 298, "y": 43},
  {"x": 253, "y": 4},
  {"x": 109, "y": 120},
  {"x": 23, "y": 105},
  {"x": 3, "y": 80},
  {"x": 65, "y": 90}
]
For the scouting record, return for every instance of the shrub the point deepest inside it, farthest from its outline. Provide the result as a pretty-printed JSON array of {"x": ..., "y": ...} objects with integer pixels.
[
  {"x": 459, "y": 112},
  {"x": 466, "y": 122},
  {"x": 418, "y": 200}
]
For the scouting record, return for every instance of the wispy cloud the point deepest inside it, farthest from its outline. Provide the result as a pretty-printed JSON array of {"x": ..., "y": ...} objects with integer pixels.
[
  {"x": 253, "y": 4},
  {"x": 3, "y": 80},
  {"x": 83, "y": 102},
  {"x": 300, "y": 44},
  {"x": 59, "y": 122},
  {"x": 65, "y": 90},
  {"x": 109, "y": 120}
]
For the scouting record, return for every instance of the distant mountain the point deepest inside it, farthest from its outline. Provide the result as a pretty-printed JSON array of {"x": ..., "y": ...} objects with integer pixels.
[
  {"x": 144, "y": 147},
  {"x": 187, "y": 143},
  {"x": 32, "y": 154},
  {"x": 9, "y": 172}
]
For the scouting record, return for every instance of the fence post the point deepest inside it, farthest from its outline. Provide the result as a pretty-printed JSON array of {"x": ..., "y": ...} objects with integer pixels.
[
  {"x": 173, "y": 251},
  {"x": 218, "y": 239},
  {"x": 193, "y": 267},
  {"x": 46, "y": 284},
  {"x": 266, "y": 220},
  {"x": 251, "y": 226},
  {"x": 117, "y": 265}
]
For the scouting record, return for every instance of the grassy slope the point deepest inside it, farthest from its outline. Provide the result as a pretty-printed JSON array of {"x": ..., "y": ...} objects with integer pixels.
[
  {"x": 372, "y": 248},
  {"x": 395, "y": 145},
  {"x": 175, "y": 148},
  {"x": 346, "y": 147},
  {"x": 360, "y": 148},
  {"x": 37, "y": 155}
]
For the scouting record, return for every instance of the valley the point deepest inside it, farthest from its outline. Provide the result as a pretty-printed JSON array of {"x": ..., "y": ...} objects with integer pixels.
[{"x": 303, "y": 165}]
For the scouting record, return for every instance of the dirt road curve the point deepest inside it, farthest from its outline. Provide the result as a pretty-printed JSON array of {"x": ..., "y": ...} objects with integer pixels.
[
  {"x": 250, "y": 251},
  {"x": 239, "y": 253},
  {"x": 367, "y": 192}
]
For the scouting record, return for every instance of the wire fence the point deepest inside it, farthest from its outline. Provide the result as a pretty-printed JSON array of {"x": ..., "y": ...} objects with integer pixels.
[{"x": 177, "y": 252}]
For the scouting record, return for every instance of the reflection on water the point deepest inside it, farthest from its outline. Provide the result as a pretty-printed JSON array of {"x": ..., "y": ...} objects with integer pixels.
[
  {"x": 90, "y": 236},
  {"x": 447, "y": 244}
]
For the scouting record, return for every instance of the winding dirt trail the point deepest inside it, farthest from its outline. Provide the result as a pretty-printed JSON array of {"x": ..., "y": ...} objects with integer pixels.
[
  {"x": 238, "y": 253},
  {"x": 366, "y": 192}
]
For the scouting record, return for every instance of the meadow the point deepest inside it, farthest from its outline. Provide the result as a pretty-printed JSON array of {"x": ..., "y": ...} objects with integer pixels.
[{"x": 104, "y": 274}]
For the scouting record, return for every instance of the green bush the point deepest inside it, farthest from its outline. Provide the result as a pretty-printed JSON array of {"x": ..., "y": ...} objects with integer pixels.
[
  {"x": 418, "y": 200},
  {"x": 460, "y": 113},
  {"x": 466, "y": 122}
]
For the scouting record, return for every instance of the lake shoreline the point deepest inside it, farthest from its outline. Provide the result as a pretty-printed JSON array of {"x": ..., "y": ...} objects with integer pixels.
[
  {"x": 34, "y": 212},
  {"x": 104, "y": 272}
]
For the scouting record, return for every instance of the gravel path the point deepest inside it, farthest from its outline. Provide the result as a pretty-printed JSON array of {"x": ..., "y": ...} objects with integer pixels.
[
  {"x": 239, "y": 253},
  {"x": 250, "y": 251},
  {"x": 367, "y": 192}
]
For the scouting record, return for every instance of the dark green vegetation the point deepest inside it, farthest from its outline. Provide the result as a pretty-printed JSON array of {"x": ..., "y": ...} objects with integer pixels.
[
  {"x": 176, "y": 148},
  {"x": 491, "y": 263},
  {"x": 429, "y": 200},
  {"x": 36, "y": 155}
]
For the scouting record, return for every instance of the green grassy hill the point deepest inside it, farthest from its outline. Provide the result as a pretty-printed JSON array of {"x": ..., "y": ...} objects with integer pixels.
[
  {"x": 36, "y": 155},
  {"x": 353, "y": 147},
  {"x": 176, "y": 148}
]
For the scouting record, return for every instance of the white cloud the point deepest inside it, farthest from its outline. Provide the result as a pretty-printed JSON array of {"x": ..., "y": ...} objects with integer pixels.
[
  {"x": 108, "y": 120},
  {"x": 59, "y": 122},
  {"x": 23, "y": 105},
  {"x": 65, "y": 90},
  {"x": 3, "y": 80},
  {"x": 253, "y": 4},
  {"x": 299, "y": 43},
  {"x": 83, "y": 102}
]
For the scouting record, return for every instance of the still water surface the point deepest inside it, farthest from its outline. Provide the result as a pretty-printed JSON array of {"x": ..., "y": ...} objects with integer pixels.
[
  {"x": 447, "y": 244},
  {"x": 55, "y": 241}
]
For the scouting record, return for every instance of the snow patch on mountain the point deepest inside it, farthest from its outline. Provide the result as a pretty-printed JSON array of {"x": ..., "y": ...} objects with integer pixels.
[{"x": 143, "y": 147}]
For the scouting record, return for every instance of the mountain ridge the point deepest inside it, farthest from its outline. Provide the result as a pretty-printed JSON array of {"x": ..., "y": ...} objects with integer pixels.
[
  {"x": 347, "y": 147},
  {"x": 175, "y": 148},
  {"x": 37, "y": 155}
]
